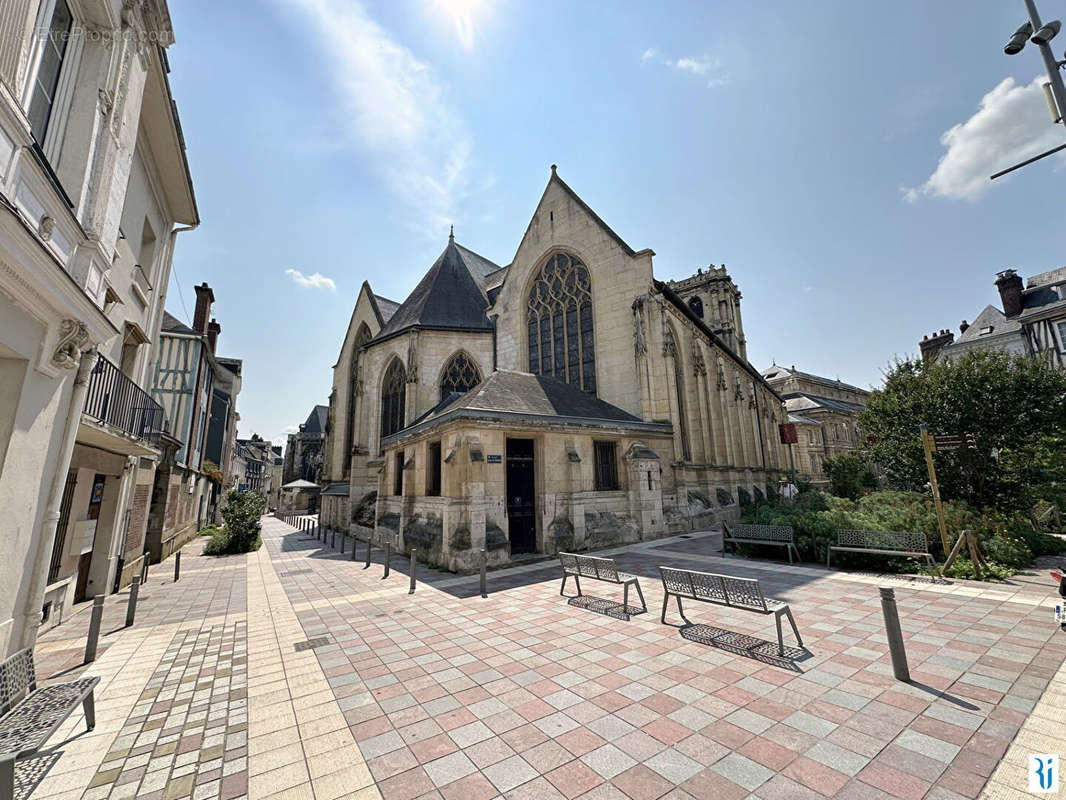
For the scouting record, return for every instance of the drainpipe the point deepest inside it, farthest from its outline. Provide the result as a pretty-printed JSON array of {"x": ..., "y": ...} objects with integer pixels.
[
  {"x": 157, "y": 323},
  {"x": 35, "y": 596}
]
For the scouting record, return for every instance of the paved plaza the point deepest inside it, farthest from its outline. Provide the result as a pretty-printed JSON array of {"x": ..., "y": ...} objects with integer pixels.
[{"x": 295, "y": 672}]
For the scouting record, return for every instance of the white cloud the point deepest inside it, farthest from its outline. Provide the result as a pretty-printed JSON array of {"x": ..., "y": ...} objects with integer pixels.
[
  {"x": 700, "y": 66},
  {"x": 316, "y": 280},
  {"x": 1011, "y": 125},
  {"x": 395, "y": 107}
]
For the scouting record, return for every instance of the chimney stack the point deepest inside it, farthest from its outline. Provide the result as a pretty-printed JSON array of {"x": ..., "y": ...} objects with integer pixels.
[
  {"x": 213, "y": 330},
  {"x": 933, "y": 344},
  {"x": 1010, "y": 292},
  {"x": 963, "y": 327},
  {"x": 204, "y": 298}
]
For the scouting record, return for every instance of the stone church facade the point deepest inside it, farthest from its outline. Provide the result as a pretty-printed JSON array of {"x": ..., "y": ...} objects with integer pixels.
[{"x": 568, "y": 400}]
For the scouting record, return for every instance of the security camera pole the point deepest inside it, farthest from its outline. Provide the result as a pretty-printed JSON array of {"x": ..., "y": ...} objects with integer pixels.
[{"x": 1041, "y": 35}]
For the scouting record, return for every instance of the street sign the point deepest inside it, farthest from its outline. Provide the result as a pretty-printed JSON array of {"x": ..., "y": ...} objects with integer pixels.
[
  {"x": 787, "y": 431},
  {"x": 946, "y": 442}
]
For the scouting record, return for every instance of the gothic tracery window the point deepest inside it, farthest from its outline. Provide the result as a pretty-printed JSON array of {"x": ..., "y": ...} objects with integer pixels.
[
  {"x": 696, "y": 305},
  {"x": 559, "y": 319},
  {"x": 393, "y": 398},
  {"x": 460, "y": 375},
  {"x": 354, "y": 390}
]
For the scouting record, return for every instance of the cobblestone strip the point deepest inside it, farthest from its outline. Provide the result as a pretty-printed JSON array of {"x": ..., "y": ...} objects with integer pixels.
[
  {"x": 300, "y": 745},
  {"x": 186, "y": 734}
]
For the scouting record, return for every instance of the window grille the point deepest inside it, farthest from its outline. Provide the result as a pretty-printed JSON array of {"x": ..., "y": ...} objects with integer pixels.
[
  {"x": 459, "y": 375},
  {"x": 433, "y": 470},
  {"x": 393, "y": 398},
  {"x": 606, "y": 466}
]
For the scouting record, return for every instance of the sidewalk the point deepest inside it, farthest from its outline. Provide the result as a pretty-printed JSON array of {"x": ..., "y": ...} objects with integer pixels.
[{"x": 294, "y": 672}]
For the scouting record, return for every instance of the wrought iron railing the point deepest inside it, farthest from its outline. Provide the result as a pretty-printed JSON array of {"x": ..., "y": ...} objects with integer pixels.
[{"x": 116, "y": 400}]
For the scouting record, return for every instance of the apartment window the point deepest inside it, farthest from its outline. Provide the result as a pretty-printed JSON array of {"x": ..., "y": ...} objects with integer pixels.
[
  {"x": 55, "y": 31},
  {"x": 1062, "y": 336},
  {"x": 397, "y": 479},
  {"x": 606, "y": 466},
  {"x": 433, "y": 469}
]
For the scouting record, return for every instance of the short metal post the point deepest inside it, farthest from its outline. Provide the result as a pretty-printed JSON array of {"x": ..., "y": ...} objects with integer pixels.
[
  {"x": 355, "y": 546},
  {"x": 131, "y": 607},
  {"x": 388, "y": 557},
  {"x": 144, "y": 569},
  {"x": 369, "y": 539},
  {"x": 895, "y": 635},
  {"x": 484, "y": 586},
  {"x": 177, "y": 566},
  {"x": 413, "y": 563},
  {"x": 343, "y": 533},
  {"x": 94, "y": 628},
  {"x": 333, "y": 541}
]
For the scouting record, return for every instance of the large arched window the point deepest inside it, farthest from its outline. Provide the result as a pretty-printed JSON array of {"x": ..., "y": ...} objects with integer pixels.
[
  {"x": 696, "y": 305},
  {"x": 460, "y": 375},
  {"x": 679, "y": 387},
  {"x": 559, "y": 319},
  {"x": 354, "y": 390},
  {"x": 393, "y": 398}
]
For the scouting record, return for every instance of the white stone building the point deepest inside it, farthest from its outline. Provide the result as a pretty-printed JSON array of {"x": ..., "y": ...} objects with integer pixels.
[
  {"x": 94, "y": 188},
  {"x": 566, "y": 400}
]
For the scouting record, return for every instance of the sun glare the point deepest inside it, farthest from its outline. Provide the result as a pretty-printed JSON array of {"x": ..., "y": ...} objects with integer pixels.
[{"x": 464, "y": 16}]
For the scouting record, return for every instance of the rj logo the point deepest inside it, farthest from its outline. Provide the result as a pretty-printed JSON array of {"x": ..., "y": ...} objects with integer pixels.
[{"x": 1043, "y": 773}]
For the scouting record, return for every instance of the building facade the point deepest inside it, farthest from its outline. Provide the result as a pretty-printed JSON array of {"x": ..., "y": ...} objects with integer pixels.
[
  {"x": 566, "y": 400},
  {"x": 304, "y": 450},
  {"x": 825, "y": 412},
  {"x": 94, "y": 188},
  {"x": 1032, "y": 322},
  {"x": 197, "y": 390}
]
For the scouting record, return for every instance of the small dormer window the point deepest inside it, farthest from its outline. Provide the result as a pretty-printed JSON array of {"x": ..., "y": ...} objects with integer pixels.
[{"x": 985, "y": 331}]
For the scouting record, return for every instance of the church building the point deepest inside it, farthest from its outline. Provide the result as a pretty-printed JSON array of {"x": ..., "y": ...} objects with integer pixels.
[{"x": 566, "y": 401}]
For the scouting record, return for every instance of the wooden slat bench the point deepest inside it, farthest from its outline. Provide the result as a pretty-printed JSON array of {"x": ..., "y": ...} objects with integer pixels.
[
  {"x": 600, "y": 569},
  {"x": 28, "y": 715},
  {"x": 724, "y": 590},
  {"x": 777, "y": 535},
  {"x": 886, "y": 543}
]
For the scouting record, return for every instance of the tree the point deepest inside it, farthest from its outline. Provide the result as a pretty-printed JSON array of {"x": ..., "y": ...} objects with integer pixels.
[
  {"x": 850, "y": 475},
  {"x": 1015, "y": 406}
]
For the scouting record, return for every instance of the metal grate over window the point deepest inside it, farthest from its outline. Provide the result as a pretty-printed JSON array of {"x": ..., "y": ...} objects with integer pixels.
[
  {"x": 606, "y": 466},
  {"x": 559, "y": 320},
  {"x": 393, "y": 398}
]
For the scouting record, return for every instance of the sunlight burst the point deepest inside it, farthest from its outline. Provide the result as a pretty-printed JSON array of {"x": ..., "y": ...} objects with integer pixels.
[{"x": 464, "y": 16}]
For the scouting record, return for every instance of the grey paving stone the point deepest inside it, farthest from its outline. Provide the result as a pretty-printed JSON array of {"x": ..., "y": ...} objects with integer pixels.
[
  {"x": 674, "y": 766},
  {"x": 608, "y": 761},
  {"x": 742, "y": 771},
  {"x": 928, "y": 746},
  {"x": 509, "y": 773},
  {"x": 839, "y": 758},
  {"x": 816, "y": 726},
  {"x": 452, "y": 767}
]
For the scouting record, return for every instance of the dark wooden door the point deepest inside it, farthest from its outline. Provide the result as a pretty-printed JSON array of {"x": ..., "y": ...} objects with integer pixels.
[
  {"x": 521, "y": 500},
  {"x": 96, "y": 499}
]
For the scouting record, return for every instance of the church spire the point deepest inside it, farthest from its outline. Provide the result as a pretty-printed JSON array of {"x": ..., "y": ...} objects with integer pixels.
[{"x": 451, "y": 235}]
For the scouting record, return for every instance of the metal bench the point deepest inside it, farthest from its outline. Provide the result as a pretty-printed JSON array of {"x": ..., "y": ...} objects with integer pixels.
[
  {"x": 28, "y": 715},
  {"x": 777, "y": 535},
  {"x": 600, "y": 569},
  {"x": 724, "y": 590},
  {"x": 886, "y": 543}
]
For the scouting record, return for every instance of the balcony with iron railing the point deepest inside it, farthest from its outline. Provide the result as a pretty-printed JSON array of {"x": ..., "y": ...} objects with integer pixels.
[{"x": 116, "y": 401}]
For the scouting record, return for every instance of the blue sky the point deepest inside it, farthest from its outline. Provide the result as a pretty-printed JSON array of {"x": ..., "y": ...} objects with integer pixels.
[{"x": 834, "y": 155}]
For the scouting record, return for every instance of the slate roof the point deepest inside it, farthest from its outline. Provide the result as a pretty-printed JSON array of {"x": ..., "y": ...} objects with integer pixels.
[
  {"x": 990, "y": 317},
  {"x": 777, "y": 372},
  {"x": 316, "y": 420},
  {"x": 808, "y": 402},
  {"x": 300, "y": 483},
  {"x": 172, "y": 324},
  {"x": 386, "y": 307},
  {"x": 526, "y": 397},
  {"x": 450, "y": 295},
  {"x": 336, "y": 489}
]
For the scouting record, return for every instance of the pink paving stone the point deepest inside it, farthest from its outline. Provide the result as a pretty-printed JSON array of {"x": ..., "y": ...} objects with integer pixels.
[
  {"x": 612, "y": 680},
  {"x": 641, "y": 783},
  {"x": 662, "y": 703},
  {"x": 534, "y": 710},
  {"x": 580, "y": 741},
  {"x": 454, "y": 719},
  {"x": 234, "y": 785},
  {"x": 726, "y": 733},
  {"x": 611, "y": 701},
  {"x": 504, "y": 721},
  {"x": 408, "y": 716},
  {"x": 433, "y": 748},
  {"x": 472, "y": 787},
  {"x": 406, "y": 786},
  {"x": 709, "y": 785},
  {"x": 961, "y": 782},
  {"x": 666, "y": 731},
  {"x": 574, "y": 779},
  {"x": 768, "y": 753},
  {"x": 818, "y": 777},
  {"x": 521, "y": 739},
  {"x": 736, "y": 696},
  {"x": 941, "y": 730},
  {"x": 770, "y": 708},
  {"x": 392, "y": 764},
  {"x": 370, "y": 728},
  {"x": 488, "y": 752},
  {"x": 896, "y": 783},
  {"x": 905, "y": 701}
]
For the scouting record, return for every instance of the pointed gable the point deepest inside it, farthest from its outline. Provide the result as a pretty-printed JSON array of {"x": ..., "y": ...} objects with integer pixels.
[{"x": 450, "y": 295}]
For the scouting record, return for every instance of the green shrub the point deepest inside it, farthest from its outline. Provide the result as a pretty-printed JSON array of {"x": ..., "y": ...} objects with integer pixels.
[
  {"x": 241, "y": 513},
  {"x": 1008, "y": 543},
  {"x": 850, "y": 475},
  {"x": 210, "y": 530}
]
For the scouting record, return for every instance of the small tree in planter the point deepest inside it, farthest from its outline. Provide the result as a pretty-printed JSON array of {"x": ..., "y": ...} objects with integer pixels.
[{"x": 241, "y": 514}]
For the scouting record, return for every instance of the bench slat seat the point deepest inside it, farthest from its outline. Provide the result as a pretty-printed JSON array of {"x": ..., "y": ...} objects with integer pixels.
[
  {"x": 30, "y": 715},
  {"x": 725, "y": 590},
  {"x": 600, "y": 569},
  {"x": 886, "y": 543},
  {"x": 775, "y": 535}
]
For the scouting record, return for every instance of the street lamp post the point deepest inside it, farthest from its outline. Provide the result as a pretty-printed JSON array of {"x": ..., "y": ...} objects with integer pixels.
[{"x": 1041, "y": 35}]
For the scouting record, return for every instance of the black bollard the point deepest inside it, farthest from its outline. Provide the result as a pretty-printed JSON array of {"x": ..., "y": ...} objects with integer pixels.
[
  {"x": 369, "y": 539},
  {"x": 131, "y": 607},
  {"x": 144, "y": 570},
  {"x": 342, "y": 541},
  {"x": 895, "y": 635},
  {"x": 388, "y": 557},
  {"x": 177, "y": 566},
  {"x": 94, "y": 628},
  {"x": 413, "y": 562},
  {"x": 355, "y": 546},
  {"x": 484, "y": 585}
]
